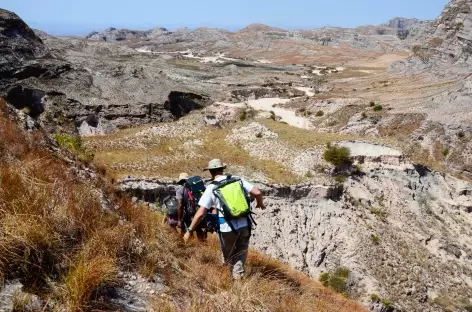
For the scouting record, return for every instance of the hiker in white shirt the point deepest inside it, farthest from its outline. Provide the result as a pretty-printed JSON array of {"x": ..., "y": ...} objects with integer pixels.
[{"x": 234, "y": 233}]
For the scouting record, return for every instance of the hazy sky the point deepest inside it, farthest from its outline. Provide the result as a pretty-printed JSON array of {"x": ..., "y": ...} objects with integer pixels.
[{"x": 82, "y": 16}]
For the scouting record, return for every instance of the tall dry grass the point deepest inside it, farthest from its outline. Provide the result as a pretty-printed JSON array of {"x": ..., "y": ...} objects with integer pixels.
[{"x": 65, "y": 237}]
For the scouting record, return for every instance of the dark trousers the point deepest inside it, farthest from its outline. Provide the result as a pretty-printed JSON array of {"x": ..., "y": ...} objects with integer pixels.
[{"x": 234, "y": 246}]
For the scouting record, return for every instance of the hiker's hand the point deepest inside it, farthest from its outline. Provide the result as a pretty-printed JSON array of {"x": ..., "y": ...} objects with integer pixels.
[
  {"x": 179, "y": 225},
  {"x": 187, "y": 236}
]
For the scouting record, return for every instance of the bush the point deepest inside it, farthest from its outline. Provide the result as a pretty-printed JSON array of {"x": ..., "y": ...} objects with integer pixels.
[
  {"x": 387, "y": 303},
  {"x": 242, "y": 116},
  {"x": 375, "y": 298},
  {"x": 337, "y": 156},
  {"x": 319, "y": 113},
  {"x": 340, "y": 178},
  {"x": 309, "y": 175},
  {"x": 460, "y": 134},
  {"x": 378, "y": 108},
  {"x": 336, "y": 281},
  {"x": 375, "y": 239},
  {"x": 379, "y": 213},
  {"x": 372, "y": 103},
  {"x": 364, "y": 115},
  {"x": 75, "y": 145},
  {"x": 421, "y": 53},
  {"x": 259, "y": 135},
  {"x": 446, "y": 152},
  {"x": 459, "y": 26}
]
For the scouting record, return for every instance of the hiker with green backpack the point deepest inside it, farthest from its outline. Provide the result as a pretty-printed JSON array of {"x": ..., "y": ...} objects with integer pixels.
[{"x": 231, "y": 197}]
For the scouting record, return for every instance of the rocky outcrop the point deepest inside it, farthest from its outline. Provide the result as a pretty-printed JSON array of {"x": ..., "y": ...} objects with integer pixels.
[
  {"x": 406, "y": 27},
  {"x": 450, "y": 36},
  {"x": 84, "y": 97},
  {"x": 113, "y": 34},
  {"x": 19, "y": 46},
  {"x": 381, "y": 229},
  {"x": 100, "y": 119}
]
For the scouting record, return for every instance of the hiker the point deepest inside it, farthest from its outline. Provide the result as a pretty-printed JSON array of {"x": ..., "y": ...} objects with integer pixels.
[
  {"x": 170, "y": 207},
  {"x": 188, "y": 194},
  {"x": 231, "y": 197}
]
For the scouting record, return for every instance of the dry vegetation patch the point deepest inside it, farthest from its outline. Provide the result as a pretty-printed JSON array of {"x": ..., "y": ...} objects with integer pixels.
[{"x": 168, "y": 156}]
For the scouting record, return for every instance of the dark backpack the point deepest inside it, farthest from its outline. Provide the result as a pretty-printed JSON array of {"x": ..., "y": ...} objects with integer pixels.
[
  {"x": 193, "y": 191},
  {"x": 171, "y": 206}
]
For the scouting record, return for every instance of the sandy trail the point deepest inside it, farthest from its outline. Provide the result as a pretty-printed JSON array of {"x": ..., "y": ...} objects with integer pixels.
[
  {"x": 308, "y": 91},
  {"x": 370, "y": 150},
  {"x": 266, "y": 104}
]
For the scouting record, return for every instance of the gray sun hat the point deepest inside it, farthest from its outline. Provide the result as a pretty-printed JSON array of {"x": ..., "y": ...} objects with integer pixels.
[{"x": 215, "y": 164}]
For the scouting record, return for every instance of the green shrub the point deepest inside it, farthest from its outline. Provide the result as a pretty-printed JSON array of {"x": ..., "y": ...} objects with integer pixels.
[
  {"x": 242, "y": 115},
  {"x": 309, "y": 175},
  {"x": 337, "y": 156},
  {"x": 378, "y": 108},
  {"x": 259, "y": 135},
  {"x": 75, "y": 145},
  {"x": 460, "y": 134},
  {"x": 342, "y": 272},
  {"x": 364, "y": 115},
  {"x": 375, "y": 298},
  {"x": 340, "y": 178},
  {"x": 337, "y": 281},
  {"x": 446, "y": 152},
  {"x": 319, "y": 113},
  {"x": 459, "y": 25},
  {"x": 421, "y": 53},
  {"x": 387, "y": 303},
  {"x": 48, "y": 116},
  {"x": 380, "y": 213},
  {"x": 375, "y": 239},
  {"x": 372, "y": 103}
]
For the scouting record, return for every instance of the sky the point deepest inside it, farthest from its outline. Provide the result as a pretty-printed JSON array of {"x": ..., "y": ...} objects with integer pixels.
[{"x": 79, "y": 17}]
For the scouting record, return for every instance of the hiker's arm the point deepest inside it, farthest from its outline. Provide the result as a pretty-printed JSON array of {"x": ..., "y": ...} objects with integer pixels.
[
  {"x": 198, "y": 217},
  {"x": 258, "y": 195}
]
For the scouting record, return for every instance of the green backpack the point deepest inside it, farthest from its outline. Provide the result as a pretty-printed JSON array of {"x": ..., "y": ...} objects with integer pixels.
[{"x": 234, "y": 199}]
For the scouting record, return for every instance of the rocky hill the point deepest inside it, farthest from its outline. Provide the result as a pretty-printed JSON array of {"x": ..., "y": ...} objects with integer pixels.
[{"x": 407, "y": 27}]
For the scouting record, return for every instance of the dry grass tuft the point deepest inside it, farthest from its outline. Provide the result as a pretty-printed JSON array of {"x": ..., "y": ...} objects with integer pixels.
[{"x": 84, "y": 277}]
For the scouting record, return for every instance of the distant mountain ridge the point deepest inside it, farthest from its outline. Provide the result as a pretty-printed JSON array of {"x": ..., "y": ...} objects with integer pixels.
[{"x": 397, "y": 24}]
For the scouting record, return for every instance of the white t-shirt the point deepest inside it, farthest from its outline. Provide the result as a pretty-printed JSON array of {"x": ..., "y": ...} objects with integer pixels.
[{"x": 209, "y": 200}]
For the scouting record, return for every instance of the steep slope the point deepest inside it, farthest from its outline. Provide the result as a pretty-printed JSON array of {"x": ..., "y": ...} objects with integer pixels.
[{"x": 71, "y": 243}]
